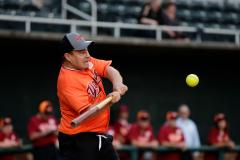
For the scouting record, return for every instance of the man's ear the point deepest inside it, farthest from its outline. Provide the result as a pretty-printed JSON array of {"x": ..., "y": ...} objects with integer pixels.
[{"x": 67, "y": 56}]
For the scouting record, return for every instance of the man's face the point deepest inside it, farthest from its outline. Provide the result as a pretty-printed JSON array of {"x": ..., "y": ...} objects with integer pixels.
[
  {"x": 172, "y": 123},
  {"x": 124, "y": 115},
  {"x": 79, "y": 59},
  {"x": 156, "y": 6},
  {"x": 222, "y": 124},
  {"x": 171, "y": 11},
  {"x": 143, "y": 124},
  {"x": 184, "y": 112},
  {"x": 8, "y": 129}
]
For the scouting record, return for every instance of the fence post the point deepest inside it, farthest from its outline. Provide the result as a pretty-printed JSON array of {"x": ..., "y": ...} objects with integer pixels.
[
  {"x": 64, "y": 11},
  {"x": 117, "y": 30},
  {"x": 73, "y": 26},
  {"x": 94, "y": 28},
  {"x": 134, "y": 154},
  {"x": 237, "y": 38},
  {"x": 159, "y": 34},
  {"x": 199, "y": 38},
  {"x": 221, "y": 154},
  {"x": 28, "y": 26}
]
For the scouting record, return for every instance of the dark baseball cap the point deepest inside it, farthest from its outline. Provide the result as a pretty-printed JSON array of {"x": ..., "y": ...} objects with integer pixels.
[
  {"x": 73, "y": 41},
  {"x": 171, "y": 115}
]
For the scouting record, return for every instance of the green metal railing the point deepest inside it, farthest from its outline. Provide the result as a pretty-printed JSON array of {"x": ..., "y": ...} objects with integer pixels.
[{"x": 134, "y": 150}]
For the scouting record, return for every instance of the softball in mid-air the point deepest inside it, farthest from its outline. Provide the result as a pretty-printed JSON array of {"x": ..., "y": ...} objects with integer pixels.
[{"x": 192, "y": 80}]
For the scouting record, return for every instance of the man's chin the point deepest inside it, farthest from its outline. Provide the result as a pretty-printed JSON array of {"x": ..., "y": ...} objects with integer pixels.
[{"x": 86, "y": 66}]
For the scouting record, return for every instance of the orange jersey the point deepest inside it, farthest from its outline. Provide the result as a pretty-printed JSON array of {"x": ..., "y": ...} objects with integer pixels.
[{"x": 77, "y": 90}]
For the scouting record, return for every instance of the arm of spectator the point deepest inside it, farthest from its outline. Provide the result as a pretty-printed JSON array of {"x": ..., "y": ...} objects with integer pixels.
[
  {"x": 9, "y": 144},
  {"x": 170, "y": 33},
  {"x": 36, "y": 135},
  {"x": 220, "y": 144},
  {"x": 150, "y": 21},
  {"x": 55, "y": 133},
  {"x": 144, "y": 19},
  {"x": 180, "y": 145},
  {"x": 116, "y": 144},
  {"x": 152, "y": 144},
  {"x": 121, "y": 138},
  {"x": 231, "y": 144}
]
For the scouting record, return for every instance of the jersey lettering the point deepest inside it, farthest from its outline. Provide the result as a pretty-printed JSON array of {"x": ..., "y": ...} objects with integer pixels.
[
  {"x": 93, "y": 89},
  {"x": 96, "y": 77}
]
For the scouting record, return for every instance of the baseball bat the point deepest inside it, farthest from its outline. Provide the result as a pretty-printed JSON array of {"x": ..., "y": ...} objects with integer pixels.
[{"x": 83, "y": 117}]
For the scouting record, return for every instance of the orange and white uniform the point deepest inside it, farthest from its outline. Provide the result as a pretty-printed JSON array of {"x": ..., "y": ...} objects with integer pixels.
[{"x": 77, "y": 90}]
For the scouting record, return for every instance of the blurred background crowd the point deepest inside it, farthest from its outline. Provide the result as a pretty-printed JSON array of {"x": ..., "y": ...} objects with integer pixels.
[{"x": 178, "y": 131}]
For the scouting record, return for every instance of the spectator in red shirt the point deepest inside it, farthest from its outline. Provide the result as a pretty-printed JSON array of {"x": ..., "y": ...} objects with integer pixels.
[
  {"x": 141, "y": 134},
  {"x": 8, "y": 138},
  {"x": 218, "y": 136},
  {"x": 170, "y": 135},
  {"x": 122, "y": 125},
  {"x": 112, "y": 131},
  {"x": 42, "y": 131}
]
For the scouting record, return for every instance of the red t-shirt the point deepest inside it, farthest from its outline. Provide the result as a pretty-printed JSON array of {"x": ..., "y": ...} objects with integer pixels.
[
  {"x": 37, "y": 125},
  {"x": 12, "y": 137},
  {"x": 167, "y": 134},
  {"x": 122, "y": 128},
  {"x": 111, "y": 131},
  {"x": 136, "y": 134},
  {"x": 145, "y": 136},
  {"x": 215, "y": 136}
]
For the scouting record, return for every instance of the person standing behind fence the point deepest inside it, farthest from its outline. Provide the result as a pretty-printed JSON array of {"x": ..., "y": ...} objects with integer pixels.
[
  {"x": 170, "y": 135},
  {"x": 141, "y": 134},
  {"x": 190, "y": 132},
  {"x": 112, "y": 131},
  {"x": 122, "y": 125},
  {"x": 218, "y": 136},
  {"x": 152, "y": 15},
  {"x": 42, "y": 131},
  {"x": 8, "y": 138}
]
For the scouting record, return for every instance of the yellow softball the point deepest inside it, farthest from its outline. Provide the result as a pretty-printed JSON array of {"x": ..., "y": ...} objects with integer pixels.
[{"x": 192, "y": 80}]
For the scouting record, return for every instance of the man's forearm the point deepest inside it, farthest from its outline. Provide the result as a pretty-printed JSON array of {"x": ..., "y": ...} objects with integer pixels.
[
  {"x": 148, "y": 21},
  {"x": 220, "y": 144},
  {"x": 35, "y": 135},
  {"x": 169, "y": 144},
  {"x": 4, "y": 145},
  {"x": 114, "y": 76},
  {"x": 140, "y": 144}
]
